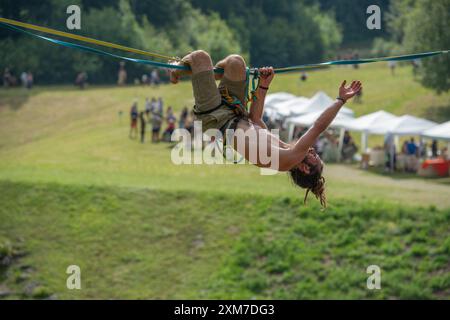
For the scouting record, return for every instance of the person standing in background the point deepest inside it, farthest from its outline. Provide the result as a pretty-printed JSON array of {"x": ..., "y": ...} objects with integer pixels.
[
  {"x": 154, "y": 77},
  {"x": 171, "y": 120},
  {"x": 148, "y": 107},
  {"x": 160, "y": 106},
  {"x": 183, "y": 116},
  {"x": 133, "y": 119},
  {"x": 142, "y": 125},
  {"x": 81, "y": 80},
  {"x": 355, "y": 56},
  {"x": 153, "y": 106},
  {"x": 434, "y": 149},
  {"x": 358, "y": 97},
  {"x": 390, "y": 153},
  {"x": 122, "y": 76},
  {"x": 156, "y": 126},
  {"x": 189, "y": 122},
  {"x": 24, "y": 79},
  {"x": 144, "y": 79},
  {"x": 411, "y": 158},
  {"x": 30, "y": 80},
  {"x": 392, "y": 65},
  {"x": 6, "y": 78}
]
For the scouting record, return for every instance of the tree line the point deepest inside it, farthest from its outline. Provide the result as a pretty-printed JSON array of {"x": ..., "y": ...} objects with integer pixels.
[{"x": 265, "y": 32}]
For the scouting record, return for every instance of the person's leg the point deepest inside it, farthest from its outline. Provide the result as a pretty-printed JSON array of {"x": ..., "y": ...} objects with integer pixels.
[
  {"x": 235, "y": 68},
  {"x": 198, "y": 61},
  {"x": 234, "y": 77},
  {"x": 206, "y": 94}
]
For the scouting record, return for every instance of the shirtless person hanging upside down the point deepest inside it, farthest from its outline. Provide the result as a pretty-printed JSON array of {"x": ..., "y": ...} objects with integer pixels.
[{"x": 223, "y": 108}]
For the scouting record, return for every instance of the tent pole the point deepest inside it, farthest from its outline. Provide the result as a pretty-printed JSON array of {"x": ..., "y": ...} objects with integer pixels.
[
  {"x": 291, "y": 132},
  {"x": 341, "y": 144},
  {"x": 364, "y": 141}
]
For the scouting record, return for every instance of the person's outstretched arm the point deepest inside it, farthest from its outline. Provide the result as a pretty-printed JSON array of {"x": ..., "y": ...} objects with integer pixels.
[{"x": 301, "y": 147}]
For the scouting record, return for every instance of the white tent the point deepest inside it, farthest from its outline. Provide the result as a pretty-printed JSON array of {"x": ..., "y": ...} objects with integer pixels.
[
  {"x": 441, "y": 131},
  {"x": 342, "y": 120},
  {"x": 319, "y": 102},
  {"x": 289, "y": 107},
  {"x": 404, "y": 125},
  {"x": 368, "y": 122},
  {"x": 301, "y": 105},
  {"x": 274, "y": 98}
]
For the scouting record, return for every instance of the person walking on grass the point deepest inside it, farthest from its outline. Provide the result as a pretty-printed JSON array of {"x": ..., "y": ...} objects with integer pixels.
[
  {"x": 133, "y": 119},
  {"x": 156, "y": 126},
  {"x": 183, "y": 115},
  {"x": 148, "y": 107},
  {"x": 171, "y": 121},
  {"x": 224, "y": 107},
  {"x": 142, "y": 124}
]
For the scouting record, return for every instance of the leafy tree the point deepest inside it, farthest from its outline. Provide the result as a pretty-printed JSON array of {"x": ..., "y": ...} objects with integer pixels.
[
  {"x": 279, "y": 33},
  {"x": 207, "y": 32},
  {"x": 426, "y": 29},
  {"x": 352, "y": 16},
  {"x": 419, "y": 26}
]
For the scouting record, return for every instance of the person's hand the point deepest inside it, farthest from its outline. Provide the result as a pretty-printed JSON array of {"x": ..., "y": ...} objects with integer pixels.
[
  {"x": 266, "y": 76},
  {"x": 174, "y": 74},
  {"x": 346, "y": 93}
]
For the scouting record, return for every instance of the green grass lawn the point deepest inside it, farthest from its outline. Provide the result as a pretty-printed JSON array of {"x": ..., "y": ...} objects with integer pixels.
[{"x": 75, "y": 190}]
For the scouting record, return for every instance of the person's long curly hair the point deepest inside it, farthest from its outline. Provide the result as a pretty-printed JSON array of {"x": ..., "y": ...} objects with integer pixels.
[{"x": 313, "y": 181}]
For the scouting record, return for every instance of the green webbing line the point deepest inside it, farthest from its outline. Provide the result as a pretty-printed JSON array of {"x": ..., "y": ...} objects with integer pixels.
[
  {"x": 362, "y": 61},
  {"x": 219, "y": 70},
  {"x": 101, "y": 52}
]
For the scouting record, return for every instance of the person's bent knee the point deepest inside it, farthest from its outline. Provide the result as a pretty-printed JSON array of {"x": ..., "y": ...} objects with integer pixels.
[
  {"x": 200, "y": 61},
  {"x": 235, "y": 68},
  {"x": 200, "y": 56},
  {"x": 235, "y": 60}
]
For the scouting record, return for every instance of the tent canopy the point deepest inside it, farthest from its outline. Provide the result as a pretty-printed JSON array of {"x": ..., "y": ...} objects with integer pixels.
[
  {"x": 301, "y": 105},
  {"x": 289, "y": 107},
  {"x": 342, "y": 120},
  {"x": 274, "y": 98},
  {"x": 441, "y": 131},
  {"x": 320, "y": 102},
  {"x": 369, "y": 121},
  {"x": 404, "y": 125}
]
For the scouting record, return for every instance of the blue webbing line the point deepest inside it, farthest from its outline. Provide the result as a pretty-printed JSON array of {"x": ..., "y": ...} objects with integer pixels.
[{"x": 220, "y": 70}]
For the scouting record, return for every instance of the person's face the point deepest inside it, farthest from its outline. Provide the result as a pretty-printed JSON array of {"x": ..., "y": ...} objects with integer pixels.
[{"x": 311, "y": 162}]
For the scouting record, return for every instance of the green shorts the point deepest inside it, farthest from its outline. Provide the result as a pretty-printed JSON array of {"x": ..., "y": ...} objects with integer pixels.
[{"x": 207, "y": 97}]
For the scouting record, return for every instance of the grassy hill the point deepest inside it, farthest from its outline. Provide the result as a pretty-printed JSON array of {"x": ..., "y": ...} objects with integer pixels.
[{"x": 76, "y": 190}]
